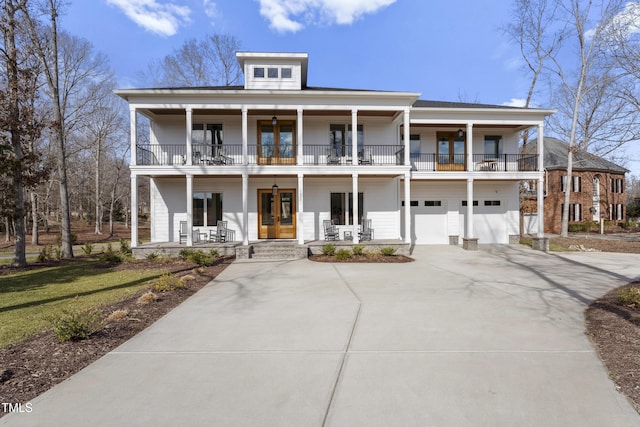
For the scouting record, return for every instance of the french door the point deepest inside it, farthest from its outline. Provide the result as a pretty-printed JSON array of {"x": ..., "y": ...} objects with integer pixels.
[
  {"x": 276, "y": 143},
  {"x": 451, "y": 151},
  {"x": 277, "y": 214}
]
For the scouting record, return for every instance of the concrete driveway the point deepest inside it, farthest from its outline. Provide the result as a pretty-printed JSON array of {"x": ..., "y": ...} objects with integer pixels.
[{"x": 457, "y": 338}]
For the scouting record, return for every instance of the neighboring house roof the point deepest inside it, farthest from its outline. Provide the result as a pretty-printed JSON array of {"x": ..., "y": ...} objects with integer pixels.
[{"x": 556, "y": 153}]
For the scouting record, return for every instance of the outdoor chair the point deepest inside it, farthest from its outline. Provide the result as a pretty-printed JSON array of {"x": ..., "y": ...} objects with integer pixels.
[
  {"x": 182, "y": 232},
  {"x": 332, "y": 157},
  {"x": 219, "y": 235},
  {"x": 221, "y": 157},
  {"x": 366, "y": 158},
  {"x": 330, "y": 230},
  {"x": 366, "y": 232}
]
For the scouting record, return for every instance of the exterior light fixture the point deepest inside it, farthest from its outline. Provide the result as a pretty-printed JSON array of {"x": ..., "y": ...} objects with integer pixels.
[
  {"x": 274, "y": 120},
  {"x": 274, "y": 188},
  {"x": 460, "y": 133}
]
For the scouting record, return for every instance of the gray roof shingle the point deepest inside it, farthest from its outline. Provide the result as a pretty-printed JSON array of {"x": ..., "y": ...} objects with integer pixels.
[{"x": 555, "y": 157}]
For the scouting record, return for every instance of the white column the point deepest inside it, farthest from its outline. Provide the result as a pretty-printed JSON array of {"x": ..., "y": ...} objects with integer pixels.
[
  {"x": 469, "y": 144},
  {"x": 245, "y": 136},
  {"x": 356, "y": 210},
  {"x": 299, "y": 138},
  {"x": 469, "y": 218},
  {"x": 245, "y": 208},
  {"x": 354, "y": 139},
  {"x": 300, "y": 210},
  {"x": 407, "y": 207},
  {"x": 541, "y": 180},
  {"x": 134, "y": 211},
  {"x": 133, "y": 118},
  {"x": 407, "y": 137},
  {"x": 189, "y": 200},
  {"x": 189, "y": 128}
]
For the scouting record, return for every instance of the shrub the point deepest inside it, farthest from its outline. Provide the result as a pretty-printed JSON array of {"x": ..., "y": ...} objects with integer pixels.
[
  {"x": 147, "y": 298},
  {"x": 343, "y": 254},
  {"x": 358, "y": 250},
  {"x": 329, "y": 249},
  {"x": 167, "y": 282},
  {"x": 110, "y": 256},
  {"x": 152, "y": 256},
  {"x": 388, "y": 251},
  {"x": 70, "y": 325},
  {"x": 46, "y": 254},
  {"x": 629, "y": 297},
  {"x": 117, "y": 316},
  {"x": 87, "y": 248},
  {"x": 124, "y": 247},
  {"x": 199, "y": 257}
]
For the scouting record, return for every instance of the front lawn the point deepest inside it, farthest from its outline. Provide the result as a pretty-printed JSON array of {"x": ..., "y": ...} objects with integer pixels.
[{"x": 29, "y": 297}]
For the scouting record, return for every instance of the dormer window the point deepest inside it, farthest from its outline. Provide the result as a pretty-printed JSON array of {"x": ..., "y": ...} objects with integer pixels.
[
  {"x": 258, "y": 72},
  {"x": 272, "y": 72},
  {"x": 285, "y": 73}
]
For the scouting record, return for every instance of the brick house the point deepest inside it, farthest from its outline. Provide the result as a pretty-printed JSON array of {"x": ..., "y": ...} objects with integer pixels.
[{"x": 597, "y": 186}]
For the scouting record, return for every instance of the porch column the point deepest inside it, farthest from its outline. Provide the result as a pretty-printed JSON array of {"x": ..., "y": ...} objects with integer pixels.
[
  {"x": 407, "y": 207},
  {"x": 189, "y": 148},
  {"x": 245, "y": 208},
  {"x": 541, "y": 180},
  {"x": 134, "y": 211},
  {"x": 354, "y": 138},
  {"x": 189, "y": 210},
  {"x": 469, "y": 146},
  {"x": 407, "y": 137},
  {"x": 300, "y": 210},
  {"x": 356, "y": 209},
  {"x": 133, "y": 119},
  {"x": 245, "y": 136},
  {"x": 299, "y": 138},
  {"x": 469, "y": 219}
]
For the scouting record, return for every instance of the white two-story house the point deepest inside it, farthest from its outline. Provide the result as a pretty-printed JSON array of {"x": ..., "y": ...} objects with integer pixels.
[{"x": 276, "y": 157}]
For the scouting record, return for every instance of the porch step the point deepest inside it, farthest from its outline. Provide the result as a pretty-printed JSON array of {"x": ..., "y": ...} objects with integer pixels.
[{"x": 273, "y": 250}]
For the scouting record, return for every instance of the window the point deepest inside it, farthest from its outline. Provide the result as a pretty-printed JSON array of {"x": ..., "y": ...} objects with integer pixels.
[
  {"x": 340, "y": 139},
  {"x": 339, "y": 208},
  {"x": 433, "y": 203},
  {"x": 563, "y": 183},
  {"x": 492, "y": 146},
  {"x": 576, "y": 182},
  {"x": 207, "y": 209},
  {"x": 464, "y": 203},
  {"x": 285, "y": 73},
  {"x": 258, "y": 72},
  {"x": 616, "y": 212},
  {"x": 272, "y": 73},
  {"x": 575, "y": 211},
  {"x": 451, "y": 151},
  {"x": 204, "y": 139},
  {"x": 414, "y": 145},
  {"x": 492, "y": 202}
]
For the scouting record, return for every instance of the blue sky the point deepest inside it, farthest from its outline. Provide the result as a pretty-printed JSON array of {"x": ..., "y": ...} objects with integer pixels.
[{"x": 451, "y": 50}]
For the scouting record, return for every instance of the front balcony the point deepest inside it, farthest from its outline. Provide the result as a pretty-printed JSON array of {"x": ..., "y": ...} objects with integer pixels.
[{"x": 328, "y": 155}]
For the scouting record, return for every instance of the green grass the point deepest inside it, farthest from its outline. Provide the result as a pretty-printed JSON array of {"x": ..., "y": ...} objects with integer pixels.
[{"x": 28, "y": 299}]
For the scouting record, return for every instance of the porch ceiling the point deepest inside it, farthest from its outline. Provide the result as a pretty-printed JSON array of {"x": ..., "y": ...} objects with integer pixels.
[{"x": 268, "y": 112}]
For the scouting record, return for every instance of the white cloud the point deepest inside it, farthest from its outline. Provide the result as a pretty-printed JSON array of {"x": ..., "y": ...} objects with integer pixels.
[
  {"x": 515, "y": 102},
  {"x": 152, "y": 15},
  {"x": 210, "y": 8},
  {"x": 292, "y": 15}
]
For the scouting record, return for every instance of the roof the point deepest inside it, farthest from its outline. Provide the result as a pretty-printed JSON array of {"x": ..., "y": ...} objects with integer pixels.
[
  {"x": 556, "y": 153},
  {"x": 423, "y": 103}
]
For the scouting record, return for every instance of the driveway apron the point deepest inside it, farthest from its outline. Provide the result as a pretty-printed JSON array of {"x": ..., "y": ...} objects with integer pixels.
[{"x": 493, "y": 337}]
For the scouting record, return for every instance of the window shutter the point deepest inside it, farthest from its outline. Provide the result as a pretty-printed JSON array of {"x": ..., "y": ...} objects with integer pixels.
[{"x": 563, "y": 183}]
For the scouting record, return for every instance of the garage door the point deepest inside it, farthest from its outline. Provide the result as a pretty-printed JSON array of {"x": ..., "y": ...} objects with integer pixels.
[
  {"x": 489, "y": 221},
  {"x": 429, "y": 223}
]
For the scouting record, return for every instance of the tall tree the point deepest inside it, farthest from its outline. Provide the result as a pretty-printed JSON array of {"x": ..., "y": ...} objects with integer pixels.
[{"x": 210, "y": 61}]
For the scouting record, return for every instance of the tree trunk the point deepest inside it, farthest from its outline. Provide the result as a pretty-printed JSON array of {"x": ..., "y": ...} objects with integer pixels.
[
  {"x": 98, "y": 219},
  {"x": 34, "y": 214}
]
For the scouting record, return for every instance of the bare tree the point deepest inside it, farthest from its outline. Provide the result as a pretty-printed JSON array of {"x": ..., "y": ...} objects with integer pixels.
[{"x": 207, "y": 62}]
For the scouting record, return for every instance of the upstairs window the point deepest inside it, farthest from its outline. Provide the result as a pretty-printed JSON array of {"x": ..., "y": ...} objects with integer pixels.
[
  {"x": 285, "y": 73},
  {"x": 272, "y": 73},
  {"x": 258, "y": 72},
  {"x": 492, "y": 146},
  {"x": 340, "y": 139}
]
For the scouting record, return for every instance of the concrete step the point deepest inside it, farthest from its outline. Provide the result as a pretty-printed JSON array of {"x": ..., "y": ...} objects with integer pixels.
[{"x": 274, "y": 251}]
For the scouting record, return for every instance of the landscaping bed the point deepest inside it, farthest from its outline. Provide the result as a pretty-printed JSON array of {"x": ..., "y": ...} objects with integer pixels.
[{"x": 31, "y": 367}]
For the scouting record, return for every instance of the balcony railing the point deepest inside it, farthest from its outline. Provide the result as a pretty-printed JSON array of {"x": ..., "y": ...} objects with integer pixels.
[
  {"x": 327, "y": 155},
  {"x": 481, "y": 162}
]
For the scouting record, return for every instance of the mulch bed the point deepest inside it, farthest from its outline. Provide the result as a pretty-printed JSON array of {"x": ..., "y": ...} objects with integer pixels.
[
  {"x": 362, "y": 258},
  {"x": 614, "y": 330},
  {"x": 31, "y": 367}
]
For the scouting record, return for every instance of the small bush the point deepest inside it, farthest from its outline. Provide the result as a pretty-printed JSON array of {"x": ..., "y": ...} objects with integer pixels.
[
  {"x": 147, "y": 298},
  {"x": 152, "y": 256},
  {"x": 46, "y": 254},
  {"x": 358, "y": 250},
  {"x": 388, "y": 251},
  {"x": 629, "y": 297},
  {"x": 167, "y": 282},
  {"x": 110, "y": 256},
  {"x": 117, "y": 316},
  {"x": 87, "y": 248},
  {"x": 71, "y": 325},
  {"x": 343, "y": 254},
  {"x": 329, "y": 249},
  {"x": 199, "y": 257},
  {"x": 124, "y": 247}
]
